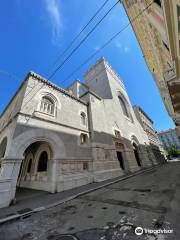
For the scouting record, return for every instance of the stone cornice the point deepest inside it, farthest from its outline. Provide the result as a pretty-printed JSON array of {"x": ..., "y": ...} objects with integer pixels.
[
  {"x": 92, "y": 93},
  {"x": 77, "y": 80},
  {"x": 42, "y": 79}
]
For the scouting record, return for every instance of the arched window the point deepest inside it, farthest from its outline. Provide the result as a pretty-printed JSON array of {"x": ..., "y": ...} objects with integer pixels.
[
  {"x": 3, "y": 146},
  {"x": 42, "y": 163},
  {"x": 47, "y": 105},
  {"x": 83, "y": 118},
  {"x": 29, "y": 165},
  {"x": 124, "y": 106}
]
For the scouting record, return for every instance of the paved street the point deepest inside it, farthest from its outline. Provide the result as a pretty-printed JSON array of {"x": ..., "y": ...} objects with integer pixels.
[{"x": 150, "y": 200}]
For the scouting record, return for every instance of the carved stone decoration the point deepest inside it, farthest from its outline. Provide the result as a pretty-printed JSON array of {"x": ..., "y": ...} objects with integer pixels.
[{"x": 170, "y": 73}]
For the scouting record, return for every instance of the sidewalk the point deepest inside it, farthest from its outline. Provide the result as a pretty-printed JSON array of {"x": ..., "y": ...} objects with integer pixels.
[{"x": 39, "y": 200}]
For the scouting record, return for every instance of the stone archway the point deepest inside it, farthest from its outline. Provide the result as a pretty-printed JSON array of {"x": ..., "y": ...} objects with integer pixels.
[
  {"x": 35, "y": 168},
  {"x": 30, "y": 136},
  {"x": 15, "y": 156}
]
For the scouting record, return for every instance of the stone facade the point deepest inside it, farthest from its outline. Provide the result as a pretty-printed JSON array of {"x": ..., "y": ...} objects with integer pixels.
[
  {"x": 147, "y": 124},
  {"x": 54, "y": 140}
]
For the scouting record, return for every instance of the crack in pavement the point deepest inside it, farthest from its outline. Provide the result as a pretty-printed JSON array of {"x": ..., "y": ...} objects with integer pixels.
[{"x": 134, "y": 204}]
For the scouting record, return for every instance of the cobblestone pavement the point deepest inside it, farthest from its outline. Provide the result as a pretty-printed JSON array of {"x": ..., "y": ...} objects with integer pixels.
[{"x": 150, "y": 201}]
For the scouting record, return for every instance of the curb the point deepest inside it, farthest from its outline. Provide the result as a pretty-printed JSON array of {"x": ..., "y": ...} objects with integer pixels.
[{"x": 39, "y": 209}]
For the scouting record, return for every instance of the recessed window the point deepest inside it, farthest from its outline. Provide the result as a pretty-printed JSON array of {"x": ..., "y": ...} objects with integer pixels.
[
  {"x": 85, "y": 166},
  {"x": 83, "y": 118},
  {"x": 47, "y": 105},
  {"x": 117, "y": 134},
  {"x": 42, "y": 163},
  {"x": 3, "y": 146},
  {"x": 83, "y": 138},
  {"x": 123, "y": 106}
]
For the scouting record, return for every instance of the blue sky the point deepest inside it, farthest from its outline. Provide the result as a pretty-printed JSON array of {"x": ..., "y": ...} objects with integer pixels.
[{"x": 34, "y": 33}]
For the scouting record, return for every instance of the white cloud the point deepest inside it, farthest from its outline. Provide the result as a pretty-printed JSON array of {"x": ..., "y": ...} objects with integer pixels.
[
  {"x": 121, "y": 47},
  {"x": 96, "y": 48},
  {"x": 53, "y": 9},
  {"x": 126, "y": 49},
  {"x": 118, "y": 44}
]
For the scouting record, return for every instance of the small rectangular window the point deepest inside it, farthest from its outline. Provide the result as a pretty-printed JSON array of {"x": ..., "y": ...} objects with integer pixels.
[
  {"x": 85, "y": 166},
  {"x": 117, "y": 134},
  {"x": 83, "y": 138}
]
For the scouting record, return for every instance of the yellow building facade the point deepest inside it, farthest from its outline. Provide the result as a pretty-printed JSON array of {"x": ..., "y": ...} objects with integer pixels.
[{"x": 157, "y": 28}]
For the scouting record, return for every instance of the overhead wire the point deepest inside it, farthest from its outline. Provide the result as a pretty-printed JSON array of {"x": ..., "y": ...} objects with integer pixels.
[
  {"x": 79, "y": 33},
  {"x": 82, "y": 41},
  {"x": 103, "y": 46}
]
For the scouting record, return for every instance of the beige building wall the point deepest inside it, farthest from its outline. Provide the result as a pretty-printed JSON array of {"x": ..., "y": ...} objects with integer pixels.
[{"x": 158, "y": 32}]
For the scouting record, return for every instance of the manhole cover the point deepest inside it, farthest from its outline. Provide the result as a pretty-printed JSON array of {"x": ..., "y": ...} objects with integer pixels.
[{"x": 66, "y": 237}]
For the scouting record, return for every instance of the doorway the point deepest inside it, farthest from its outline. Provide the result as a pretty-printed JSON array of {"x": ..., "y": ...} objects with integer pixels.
[
  {"x": 136, "y": 154},
  {"x": 120, "y": 159}
]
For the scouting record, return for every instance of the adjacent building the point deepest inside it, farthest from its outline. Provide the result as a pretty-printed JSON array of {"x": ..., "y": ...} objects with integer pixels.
[
  {"x": 169, "y": 138},
  {"x": 54, "y": 139},
  {"x": 157, "y": 26},
  {"x": 147, "y": 124}
]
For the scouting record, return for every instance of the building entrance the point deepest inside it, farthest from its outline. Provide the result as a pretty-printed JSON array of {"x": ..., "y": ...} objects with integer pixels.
[
  {"x": 136, "y": 155},
  {"x": 120, "y": 159}
]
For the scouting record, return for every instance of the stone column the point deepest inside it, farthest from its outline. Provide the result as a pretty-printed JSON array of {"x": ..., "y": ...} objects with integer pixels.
[
  {"x": 8, "y": 179},
  {"x": 131, "y": 161},
  {"x": 151, "y": 155},
  {"x": 53, "y": 174},
  {"x": 126, "y": 158},
  {"x": 143, "y": 154}
]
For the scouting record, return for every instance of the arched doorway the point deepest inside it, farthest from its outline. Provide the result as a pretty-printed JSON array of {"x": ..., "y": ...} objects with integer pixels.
[
  {"x": 136, "y": 153},
  {"x": 34, "y": 170},
  {"x": 119, "y": 152},
  {"x": 3, "y": 146}
]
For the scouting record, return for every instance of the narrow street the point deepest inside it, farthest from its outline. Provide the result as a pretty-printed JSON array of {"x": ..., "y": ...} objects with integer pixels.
[{"x": 150, "y": 200}]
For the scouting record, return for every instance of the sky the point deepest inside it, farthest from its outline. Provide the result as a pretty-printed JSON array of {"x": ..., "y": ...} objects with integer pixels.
[{"x": 34, "y": 33}]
